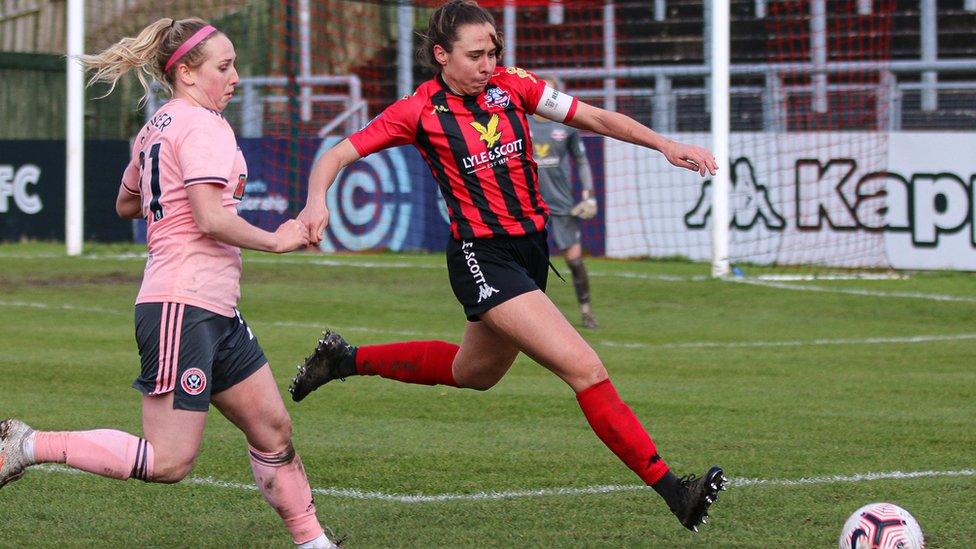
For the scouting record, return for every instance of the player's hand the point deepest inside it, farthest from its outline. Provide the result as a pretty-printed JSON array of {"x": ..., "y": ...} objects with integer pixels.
[
  {"x": 290, "y": 235},
  {"x": 585, "y": 209},
  {"x": 315, "y": 217},
  {"x": 692, "y": 157}
]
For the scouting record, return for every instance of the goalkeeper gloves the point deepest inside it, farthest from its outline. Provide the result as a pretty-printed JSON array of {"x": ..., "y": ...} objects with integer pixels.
[{"x": 585, "y": 209}]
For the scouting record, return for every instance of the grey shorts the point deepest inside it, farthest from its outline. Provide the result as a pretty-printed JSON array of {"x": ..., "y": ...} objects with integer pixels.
[
  {"x": 565, "y": 230},
  {"x": 192, "y": 352}
]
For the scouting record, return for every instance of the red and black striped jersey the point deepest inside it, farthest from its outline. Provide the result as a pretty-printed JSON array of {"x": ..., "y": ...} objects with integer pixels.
[{"x": 478, "y": 148}]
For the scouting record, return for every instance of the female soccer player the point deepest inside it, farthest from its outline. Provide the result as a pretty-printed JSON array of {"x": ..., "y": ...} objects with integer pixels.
[
  {"x": 185, "y": 178},
  {"x": 469, "y": 123},
  {"x": 553, "y": 144}
]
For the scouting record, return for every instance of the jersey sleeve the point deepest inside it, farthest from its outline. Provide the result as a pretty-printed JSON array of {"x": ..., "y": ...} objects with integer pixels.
[
  {"x": 130, "y": 177},
  {"x": 540, "y": 98},
  {"x": 396, "y": 125},
  {"x": 578, "y": 151},
  {"x": 556, "y": 105},
  {"x": 206, "y": 153}
]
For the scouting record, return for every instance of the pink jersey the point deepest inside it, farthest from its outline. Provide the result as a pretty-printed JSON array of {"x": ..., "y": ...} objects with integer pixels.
[{"x": 185, "y": 145}]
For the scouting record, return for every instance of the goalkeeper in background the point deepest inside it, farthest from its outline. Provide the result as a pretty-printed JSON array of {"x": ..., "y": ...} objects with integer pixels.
[{"x": 552, "y": 146}]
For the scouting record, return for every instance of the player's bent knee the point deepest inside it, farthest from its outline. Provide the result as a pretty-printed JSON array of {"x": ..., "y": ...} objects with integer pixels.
[
  {"x": 587, "y": 374},
  {"x": 282, "y": 428},
  {"x": 171, "y": 473},
  {"x": 481, "y": 384}
]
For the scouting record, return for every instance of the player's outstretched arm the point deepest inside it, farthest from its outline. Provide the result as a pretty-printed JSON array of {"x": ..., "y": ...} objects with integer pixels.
[
  {"x": 216, "y": 221},
  {"x": 625, "y": 128},
  {"x": 315, "y": 216}
]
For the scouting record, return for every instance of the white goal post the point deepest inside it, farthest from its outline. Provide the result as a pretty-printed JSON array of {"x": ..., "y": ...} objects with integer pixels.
[
  {"x": 75, "y": 134},
  {"x": 720, "y": 136}
]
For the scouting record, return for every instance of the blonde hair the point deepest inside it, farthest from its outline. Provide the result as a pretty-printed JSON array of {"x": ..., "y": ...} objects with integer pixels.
[{"x": 147, "y": 53}]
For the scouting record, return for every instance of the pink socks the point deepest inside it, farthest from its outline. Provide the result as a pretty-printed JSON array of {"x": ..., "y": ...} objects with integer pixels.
[
  {"x": 281, "y": 478},
  {"x": 104, "y": 452}
]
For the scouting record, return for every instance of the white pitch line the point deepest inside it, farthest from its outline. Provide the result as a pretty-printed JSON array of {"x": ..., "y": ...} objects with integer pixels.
[
  {"x": 339, "y": 261},
  {"x": 351, "y": 493},
  {"x": 60, "y": 307},
  {"x": 363, "y": 329},
  {"x": 791, "y": 343},
  {"x": 852, "y": 291},
  {"x": 605, "y": 343}
]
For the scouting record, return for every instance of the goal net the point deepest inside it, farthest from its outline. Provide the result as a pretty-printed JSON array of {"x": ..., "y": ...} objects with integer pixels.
[{"x": 810, "y": 100}]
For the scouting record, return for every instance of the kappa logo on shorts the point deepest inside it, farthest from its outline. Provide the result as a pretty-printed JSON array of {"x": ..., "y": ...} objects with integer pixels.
[
  {"x": 194, "y": 381},
  {"x": 485, "y": 291}
]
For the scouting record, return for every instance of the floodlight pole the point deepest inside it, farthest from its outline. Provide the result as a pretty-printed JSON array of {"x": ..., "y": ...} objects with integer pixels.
[
  {"x": 720, "y": 136},
  {"x": 75, "y": 131},
  {"x": 404, "y": 50},
  {"x": 508, "y": 13},
  {"x": 305, "y": 55}
]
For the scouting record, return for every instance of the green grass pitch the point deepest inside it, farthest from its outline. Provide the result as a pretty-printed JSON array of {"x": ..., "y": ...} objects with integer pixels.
[{"x": 825, "y": 381}]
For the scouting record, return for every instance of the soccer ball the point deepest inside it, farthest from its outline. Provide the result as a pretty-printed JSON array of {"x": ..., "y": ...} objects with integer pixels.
[{"x": 881, "y": 526}]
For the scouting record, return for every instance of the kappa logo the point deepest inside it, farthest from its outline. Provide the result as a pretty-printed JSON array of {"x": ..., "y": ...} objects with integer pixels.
[
  {"x": 749, "y": 201},
  {"x": 485, "y": 291},
  {"x": 439, "y": 108},
  {"x": 496, "y": 97},
  {"x": 194, "y": 381},
  {"x": 489, "y": 134},
  {"x": 541, "y": 149}
]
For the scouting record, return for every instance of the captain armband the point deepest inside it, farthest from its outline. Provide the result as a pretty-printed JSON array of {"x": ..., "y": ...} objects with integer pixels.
[{"x": 554, "y": 104}]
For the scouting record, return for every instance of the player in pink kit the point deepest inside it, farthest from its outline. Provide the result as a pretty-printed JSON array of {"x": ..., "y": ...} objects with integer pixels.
[{"x": 185, "y": 178}]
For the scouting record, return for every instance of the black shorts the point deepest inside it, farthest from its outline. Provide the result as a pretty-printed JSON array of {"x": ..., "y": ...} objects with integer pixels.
[
  {"x": 565, "y": 230},
  {"x": 192, "y": 352},
  {"x": 486, "y": 272}
]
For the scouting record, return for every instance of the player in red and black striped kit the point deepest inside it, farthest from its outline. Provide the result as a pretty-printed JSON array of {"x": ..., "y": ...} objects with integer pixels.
[{"x": 470, "y": 124}]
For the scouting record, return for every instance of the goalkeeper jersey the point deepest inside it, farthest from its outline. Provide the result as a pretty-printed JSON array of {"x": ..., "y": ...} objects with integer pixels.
[{"x": 553, "y": 145}]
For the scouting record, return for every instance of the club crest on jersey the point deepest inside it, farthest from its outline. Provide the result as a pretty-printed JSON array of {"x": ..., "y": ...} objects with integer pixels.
[
  {"x": 194, "y": 381},
  {"x": 496, "y": 97},
  {"x": 489, "y": 134},
  {"x": 241, "y": 183}
]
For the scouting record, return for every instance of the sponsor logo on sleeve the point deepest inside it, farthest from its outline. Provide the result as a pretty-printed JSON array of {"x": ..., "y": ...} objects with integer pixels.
[
  {"x": 521, "y": 73},
  {"x": 241, "y": 184}
]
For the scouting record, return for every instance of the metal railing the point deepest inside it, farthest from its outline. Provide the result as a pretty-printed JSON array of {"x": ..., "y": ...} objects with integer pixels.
[
  {"x": 774, "y": 93},
  {"x": 252, "y": 101}
]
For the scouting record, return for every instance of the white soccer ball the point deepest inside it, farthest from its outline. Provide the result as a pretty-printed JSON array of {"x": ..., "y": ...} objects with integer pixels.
[{"x": 881, "y": 526}]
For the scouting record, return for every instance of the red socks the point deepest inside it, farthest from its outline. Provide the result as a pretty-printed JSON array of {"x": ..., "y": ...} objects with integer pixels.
[
  {"x": 422, "y": 362},
  {"x": 429, "y": 363},
  {"x": 618, "y": 428}
]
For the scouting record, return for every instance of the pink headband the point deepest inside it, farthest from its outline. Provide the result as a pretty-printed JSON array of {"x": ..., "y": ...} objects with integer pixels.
[{"x": 197, "y": 37}]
